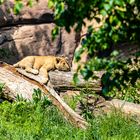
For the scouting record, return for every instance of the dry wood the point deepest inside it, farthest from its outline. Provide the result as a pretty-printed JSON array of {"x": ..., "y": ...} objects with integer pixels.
[
  {"x": 62, "y": 81},
  {"x": 17, "y": 84},
  {"x": 124, "y": 106}
]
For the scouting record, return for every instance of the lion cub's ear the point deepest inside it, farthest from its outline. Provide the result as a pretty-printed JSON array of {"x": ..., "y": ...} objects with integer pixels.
[
  {"x": 58, "y": 59},
  {"x": 62, "y": 56},
  {"x": 67, "y": 58}
]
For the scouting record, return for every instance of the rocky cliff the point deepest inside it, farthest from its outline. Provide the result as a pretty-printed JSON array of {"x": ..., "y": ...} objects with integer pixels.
[{"x": 29, "y": 33}]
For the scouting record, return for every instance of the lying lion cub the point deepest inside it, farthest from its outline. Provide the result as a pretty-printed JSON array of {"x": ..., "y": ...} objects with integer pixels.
[{"x": 42, "y": 64}]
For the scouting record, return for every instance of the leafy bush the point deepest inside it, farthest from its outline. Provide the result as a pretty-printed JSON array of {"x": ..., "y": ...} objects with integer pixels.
[
  {"x": 130, "y": 94},
  {"x": 120, "y": 22}
]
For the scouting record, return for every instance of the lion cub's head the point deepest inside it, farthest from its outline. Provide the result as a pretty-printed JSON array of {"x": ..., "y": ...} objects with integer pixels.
[{"x": 62, "y": 64}]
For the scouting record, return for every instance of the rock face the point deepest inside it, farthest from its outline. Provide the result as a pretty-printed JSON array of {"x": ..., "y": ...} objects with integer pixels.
[{"x": 29, "y": 33}]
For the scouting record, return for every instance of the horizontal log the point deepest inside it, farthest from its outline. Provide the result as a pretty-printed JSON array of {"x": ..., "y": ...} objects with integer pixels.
[
  {"x": 124, "y": 106},
  {"x": 62, "y": 81}
]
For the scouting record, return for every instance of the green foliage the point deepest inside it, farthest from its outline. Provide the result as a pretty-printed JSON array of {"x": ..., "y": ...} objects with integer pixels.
[
  {"x": 67, "y": 13},
  {"x": 115, "y": 126},
  {"x": 38, "y": 98},
  {"x": 85, "y": 96},
  {"x": 37, "y": 120},
  {"x": 120, "y": 74},
  {"x": 26, "y": 120},
  {"x": 1, "y": 89},
  {"x": 120, "y": 23},
  {"x": 19, "y": 4},
  {"x": 55, "y": 32},
  {"x": 130, "y": 94},
  {"x": 72, "y": 101},
  {"x": 1, "y": 1},
  {"x": 30, "y": 3},
  {"x": 5, "y": 53}
]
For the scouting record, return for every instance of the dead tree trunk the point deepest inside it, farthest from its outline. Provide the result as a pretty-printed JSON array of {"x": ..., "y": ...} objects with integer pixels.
[
  {"x": 17, "y": 84},
  {"x": 63, "y": 81},
  {"x": 124, "y": 106}
]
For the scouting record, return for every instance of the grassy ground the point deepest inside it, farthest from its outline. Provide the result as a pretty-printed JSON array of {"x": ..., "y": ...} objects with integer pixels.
[{"x": 41, "y": 121}]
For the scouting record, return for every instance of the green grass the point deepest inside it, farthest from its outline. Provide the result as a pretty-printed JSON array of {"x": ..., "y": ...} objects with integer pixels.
[
  {"x": 39, "y": 121},
  {"x": 115, "y": 126}
]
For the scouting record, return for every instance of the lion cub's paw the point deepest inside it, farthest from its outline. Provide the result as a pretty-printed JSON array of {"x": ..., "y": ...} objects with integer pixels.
[
  {"x": 35, "y": 71},
  {"x": 44, "y": 80}
]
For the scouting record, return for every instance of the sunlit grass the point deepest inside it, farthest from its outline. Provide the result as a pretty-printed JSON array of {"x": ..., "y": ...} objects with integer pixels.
[{"x": 28, "y": 121}]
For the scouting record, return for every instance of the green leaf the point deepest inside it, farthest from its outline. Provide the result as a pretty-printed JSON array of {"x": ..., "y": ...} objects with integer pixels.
[
  {"x": 103, "y": 12},
  {"x": 75, "y": 78},
  {"x": 50, "y": 3},
  {"x": 17, "y": 7},
  {"x": 86, "y": 73},
  {"x": 131, "y": 1},
  {"x": 1, "y": 1},
  {"x": 111, "y": 19},
  {"x": 119, "y": 2},
  {"x": 115, "y": 37},
  {"x": 1, "y": 87},
  {"x": 30, "y": 3},
  {"x": 114, "y": 53},
  {"x": 107, "y": 6},
  {"x": 77, "y": 54},
  {"x": 55, "y": 32},
  {"x": 106, "y": 78},
  {"x": 105, "y": 46}
]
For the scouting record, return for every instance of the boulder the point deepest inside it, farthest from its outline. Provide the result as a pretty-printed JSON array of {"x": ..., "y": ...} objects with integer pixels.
[
  {"x": 29, "y": 33},
  {"x": 38, "y": 14}
]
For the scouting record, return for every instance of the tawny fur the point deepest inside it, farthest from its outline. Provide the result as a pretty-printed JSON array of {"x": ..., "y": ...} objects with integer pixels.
[{"x": 42, "y": 64}]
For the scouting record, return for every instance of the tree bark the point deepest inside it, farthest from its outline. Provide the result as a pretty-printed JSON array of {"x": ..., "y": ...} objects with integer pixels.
[
  {"x": 63, "y": 81},
  {"x": 124, "y": 106},
  {"x": 17, "y": 84}
]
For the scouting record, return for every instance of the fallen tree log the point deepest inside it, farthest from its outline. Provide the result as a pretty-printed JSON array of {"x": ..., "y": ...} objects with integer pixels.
[
  {"x": 17, "y": 84},
  {"x": 124, "y": 106},
  {"x": 63, "y": 81}
]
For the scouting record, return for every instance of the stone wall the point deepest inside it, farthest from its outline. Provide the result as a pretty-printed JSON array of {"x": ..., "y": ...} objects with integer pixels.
[{"x": 29, "y": 33}]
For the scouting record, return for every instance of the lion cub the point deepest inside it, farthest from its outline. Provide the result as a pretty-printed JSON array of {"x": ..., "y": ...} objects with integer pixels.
[{"x": 42, "y": 64}]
